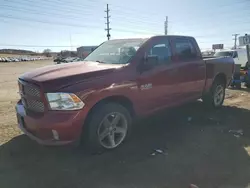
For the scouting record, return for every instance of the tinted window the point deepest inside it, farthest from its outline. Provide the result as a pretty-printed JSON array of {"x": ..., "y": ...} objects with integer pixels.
[
  {"x": 224, "y": 54},
  {"x": 235, "y": 55},
  {"x": 162, "y": 50},
  {"x": 185, "y": 49}
]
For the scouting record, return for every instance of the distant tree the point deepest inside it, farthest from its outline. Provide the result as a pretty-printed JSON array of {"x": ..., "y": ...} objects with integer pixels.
[{"x": 47, "y": 52}]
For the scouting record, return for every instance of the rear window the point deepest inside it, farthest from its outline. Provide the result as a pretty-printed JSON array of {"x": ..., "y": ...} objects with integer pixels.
[{"x": 185, "y": 49}]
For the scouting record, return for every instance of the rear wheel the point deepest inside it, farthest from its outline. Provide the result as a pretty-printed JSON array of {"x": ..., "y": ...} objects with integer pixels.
[
  {"x": 108, "y": 127},
  {"x": 216, "y": 95}
]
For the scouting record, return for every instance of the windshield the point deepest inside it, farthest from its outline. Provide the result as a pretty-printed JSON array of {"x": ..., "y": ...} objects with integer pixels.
[
  {"x": 223, "y": 54},
  {"x": 116, "y": 51}
]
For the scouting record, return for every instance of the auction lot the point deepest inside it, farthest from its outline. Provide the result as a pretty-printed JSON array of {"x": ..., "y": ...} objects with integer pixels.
[{"x": 195, "y": 146}]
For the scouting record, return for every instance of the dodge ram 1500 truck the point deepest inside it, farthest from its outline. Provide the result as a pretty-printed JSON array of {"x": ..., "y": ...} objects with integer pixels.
[{"x": 97, "y": 99}]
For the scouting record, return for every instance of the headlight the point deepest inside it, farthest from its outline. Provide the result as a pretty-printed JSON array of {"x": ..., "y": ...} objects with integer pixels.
[{"x": 64, "y": 101}]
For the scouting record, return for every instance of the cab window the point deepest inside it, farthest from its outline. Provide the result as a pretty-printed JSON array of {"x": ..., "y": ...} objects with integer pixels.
[
  {"x": 185, "y": 50},
  {"x": 162, "y": 51}
]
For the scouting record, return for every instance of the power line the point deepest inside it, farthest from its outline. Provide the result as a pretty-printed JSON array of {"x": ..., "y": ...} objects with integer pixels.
[
  {"x": 88, "y": 25},
  {"x": 54, "y": 6},
  {"x": 46, "y": 22},
  {"x": 67, "y": 10},
  {"x": 92, "y": 26},
  {"x": 42, "y": 46},
  {"x": 150, "y": 13},
  {"x": 74, "y": 17},
  {"x": 48, "y": 3},
  {"x": 70, "y": 24},
  {"x": 42, "y": 8},
  {"x": 80, "y": 12},
  {"x": 32, "y": 11},
  {"x": 120, "y": 8},
  {"x": 73, "y": 11}
]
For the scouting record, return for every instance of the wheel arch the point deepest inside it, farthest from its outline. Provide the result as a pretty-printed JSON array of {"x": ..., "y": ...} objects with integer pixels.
[
  {"x": 119, "y": 99},
  {"x": 221, "y": 77}
]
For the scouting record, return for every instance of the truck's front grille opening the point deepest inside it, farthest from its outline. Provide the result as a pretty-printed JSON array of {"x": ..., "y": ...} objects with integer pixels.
[
  {"x": 31, "y": 90},
  {"x": 31, "y": 96},
  {"x": 33, "y": 105}
]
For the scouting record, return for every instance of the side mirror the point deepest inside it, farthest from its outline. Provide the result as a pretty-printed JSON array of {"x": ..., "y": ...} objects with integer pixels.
[{"x": 150, "y": 62}]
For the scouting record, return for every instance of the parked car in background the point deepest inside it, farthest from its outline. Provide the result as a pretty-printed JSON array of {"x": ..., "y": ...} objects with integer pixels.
[
  {"x": 239, "y": 56},
  {"x": 3, "y": 59},
  {"x": 14, "y": 59},
  {"x": 68, "y": 60},
  {"x": 21, "y": 58},
  {"x": 58, "y": 59},
  {"x": 78, "y": 59},
  {"x": 97, "y": 99},
  {"x": 8, "y": 59}
]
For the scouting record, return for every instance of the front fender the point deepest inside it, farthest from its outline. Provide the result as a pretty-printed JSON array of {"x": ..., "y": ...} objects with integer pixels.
[{"x": 92, "y": 93}]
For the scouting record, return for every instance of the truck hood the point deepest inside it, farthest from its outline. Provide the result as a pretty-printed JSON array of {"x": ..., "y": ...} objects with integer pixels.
[{"x": 54, "y": 77}]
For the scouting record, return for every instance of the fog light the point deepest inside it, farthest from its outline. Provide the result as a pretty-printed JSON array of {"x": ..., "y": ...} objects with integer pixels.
[{"x": 55, "y": 134}]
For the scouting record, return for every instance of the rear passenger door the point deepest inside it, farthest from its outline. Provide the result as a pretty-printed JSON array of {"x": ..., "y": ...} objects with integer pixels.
[{"x": 191, "y": 68}]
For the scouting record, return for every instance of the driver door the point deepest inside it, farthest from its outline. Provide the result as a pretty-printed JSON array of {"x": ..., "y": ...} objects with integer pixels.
[{"x": 157, "y": 86}]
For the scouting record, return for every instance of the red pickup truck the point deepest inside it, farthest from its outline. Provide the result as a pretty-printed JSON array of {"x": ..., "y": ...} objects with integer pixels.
[{"x": 98, "y": 98}]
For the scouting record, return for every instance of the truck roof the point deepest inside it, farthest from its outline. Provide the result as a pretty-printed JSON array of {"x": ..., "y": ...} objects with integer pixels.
[{"x": 156, "y": 36}]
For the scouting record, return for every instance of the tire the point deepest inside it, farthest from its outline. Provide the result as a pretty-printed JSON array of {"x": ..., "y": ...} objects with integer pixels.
[
  {"x": 98, "y": 125},
  {"x": 210, "y": 100}
]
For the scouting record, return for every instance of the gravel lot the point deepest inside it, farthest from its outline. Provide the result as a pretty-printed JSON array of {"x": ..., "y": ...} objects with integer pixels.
[{"x": 195, "y": 146}]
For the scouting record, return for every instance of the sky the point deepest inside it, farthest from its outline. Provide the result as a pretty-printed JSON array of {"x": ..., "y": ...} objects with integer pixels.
[{"x": 67, "y": 24}]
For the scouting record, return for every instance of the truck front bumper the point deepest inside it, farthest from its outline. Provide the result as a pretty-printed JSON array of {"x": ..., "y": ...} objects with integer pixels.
[{"x": 51, "y": 128}]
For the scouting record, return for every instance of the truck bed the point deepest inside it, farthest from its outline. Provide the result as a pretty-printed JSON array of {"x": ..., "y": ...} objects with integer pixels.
[
  {"x": 219, "y": 60},
  {"x": 216, "y": 65}
]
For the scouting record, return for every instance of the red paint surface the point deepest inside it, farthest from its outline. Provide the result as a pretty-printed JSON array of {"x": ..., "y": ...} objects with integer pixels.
[{"x": 172, "y": 84}]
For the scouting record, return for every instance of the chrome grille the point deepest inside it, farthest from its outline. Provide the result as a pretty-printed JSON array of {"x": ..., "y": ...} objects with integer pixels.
[
  {"x": 29, "y": 89},
  {"x": 31, "y": 97},
  {"x": 33, "y": 91},
  {"x": 36, "y": 106}
]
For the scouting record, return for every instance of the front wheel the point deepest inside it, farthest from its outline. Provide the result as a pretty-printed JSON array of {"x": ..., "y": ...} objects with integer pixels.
[
  {"x": 216, "y": 95},
  {"x": 109, "y": 127}
]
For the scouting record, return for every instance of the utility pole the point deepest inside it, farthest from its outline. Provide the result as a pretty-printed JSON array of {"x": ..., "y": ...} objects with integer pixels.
[
  {"x": 70, "y": 39},
  {"x": 107, "y": 17},
  {"x": 248, "y": 53},
  {"x": 235, "y": 40},
  {"x": 166, "y": 26}
]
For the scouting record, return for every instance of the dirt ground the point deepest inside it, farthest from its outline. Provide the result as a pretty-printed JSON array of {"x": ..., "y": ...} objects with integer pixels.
[{"x": 209, "y": 148}]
